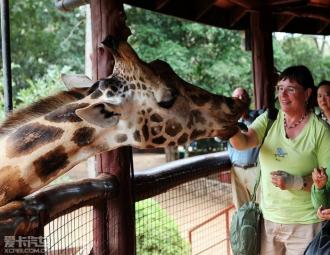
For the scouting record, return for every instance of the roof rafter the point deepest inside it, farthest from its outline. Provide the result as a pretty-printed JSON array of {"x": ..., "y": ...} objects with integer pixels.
[
  {"x": 236, "y": 15},
  {"x": 282, "y": 21},
  {"x": 247, "y": 4}
]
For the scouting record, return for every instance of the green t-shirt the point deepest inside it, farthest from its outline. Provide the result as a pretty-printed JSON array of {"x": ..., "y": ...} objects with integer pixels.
[
  {"x": 298, "y": 156},
  {"x": 322, "y": 196}
]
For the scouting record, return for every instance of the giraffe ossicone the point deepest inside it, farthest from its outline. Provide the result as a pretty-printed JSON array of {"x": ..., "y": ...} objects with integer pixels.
[{"x": 144, "y": 105}]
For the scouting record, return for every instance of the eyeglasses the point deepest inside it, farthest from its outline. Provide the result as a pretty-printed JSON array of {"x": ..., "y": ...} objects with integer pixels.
[{"x": 290, "y": 90}]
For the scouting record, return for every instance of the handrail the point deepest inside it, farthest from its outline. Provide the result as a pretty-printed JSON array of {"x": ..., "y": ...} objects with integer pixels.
[
  {"x": 32, "y": 213},
  {"x": 36, "y": 210},
  {"x": 157, "y": 180}
]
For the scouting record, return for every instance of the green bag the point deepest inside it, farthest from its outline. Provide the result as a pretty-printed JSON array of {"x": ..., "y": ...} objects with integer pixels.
[{"x": 245, "y": 230}]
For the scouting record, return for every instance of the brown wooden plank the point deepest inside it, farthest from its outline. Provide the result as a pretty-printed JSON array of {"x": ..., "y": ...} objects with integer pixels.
[
  {"x": 263, "y": 61},
  {"x": 114, "y": 224}
]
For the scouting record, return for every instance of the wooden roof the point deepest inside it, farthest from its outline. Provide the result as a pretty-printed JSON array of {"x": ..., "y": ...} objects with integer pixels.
[{"x": 292, "y": 16}]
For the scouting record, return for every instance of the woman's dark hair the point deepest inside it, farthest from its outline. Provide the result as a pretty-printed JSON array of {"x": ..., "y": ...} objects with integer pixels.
[
  {"x": 323, "y": 83},
  {"x": 303, "y": 77}
]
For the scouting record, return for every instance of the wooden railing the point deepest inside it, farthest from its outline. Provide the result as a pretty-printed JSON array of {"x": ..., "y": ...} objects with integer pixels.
[{"x": 29, "y": 216}]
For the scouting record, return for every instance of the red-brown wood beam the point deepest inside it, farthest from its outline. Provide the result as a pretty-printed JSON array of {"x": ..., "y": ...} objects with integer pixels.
[
  {"x": 263, "y": 61},
  {"x": 202, "y": 7},
  {"x": 159, "y": 4},
  {"x": 320, "y": 3},
  {"x": 247, "y": 4},
  {"x": 114, "y": 222},
  {"x": 312, "y": 14},
  {"x": 322, "y": 28},
  {"x": 282, "y": 21},
  {"x": 236, "y": 15},
  {"x": 286, "y": 3}
]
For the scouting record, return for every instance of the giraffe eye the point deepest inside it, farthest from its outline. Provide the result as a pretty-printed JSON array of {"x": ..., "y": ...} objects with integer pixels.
[{"x": 168, "y": 103}]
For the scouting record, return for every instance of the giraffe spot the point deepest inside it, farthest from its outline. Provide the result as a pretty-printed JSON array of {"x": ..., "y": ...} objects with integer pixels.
[
  {"x": 12, "y": 184},
  {"x": 144, "y": 86},
  {"x": 104, "y": 84},
  {"x": 141, "y": 79},
  {"x": 50, "y": 163},
  {"x": 196, "y": 134},
  {"x": 183, "y": 138},
  {"x": 156, "y": 130},
  {"x": 96, "y": 94},
  {"x": 172, "y": 143},
  {"x": 114, "y": 88},
  {"x": 138, "y": 85},
  {"x": 195, "y": 117},
  {"x": 110, "y": 94},
  {"x": 137, "y": 136},
  {"x": 172, "y": 127},
  {"x": 120, "y": 138},
  {"x": 156, "y": 118},
  {"x": 30, "y": 137},
  {"x": 125, "y": 88},
  {"x": 140, "y": 120},
  {"x": 145, "y": 131},
  {"x": 149, "y": 110},
  {"x": 66, "y": 113},
  {"x": 76, "y": 94},
  {"x": 201, "y": 99},
  {"x": 132, "y": 86},
  {"x": 83, "y": 136},
  {"x": 159, "y": 140},
  {"x": 129, "y": 124}
]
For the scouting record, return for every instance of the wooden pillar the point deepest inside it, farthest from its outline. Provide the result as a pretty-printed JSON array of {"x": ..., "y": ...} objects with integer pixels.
[
  {"x": 263, "y": 60},
  {"x": 117, "y": 226}
]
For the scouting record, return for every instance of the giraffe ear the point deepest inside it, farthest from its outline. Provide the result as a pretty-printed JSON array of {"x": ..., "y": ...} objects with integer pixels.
[
  {"x": 76, "y": 81},
  {"x": 98, "y": 115}
]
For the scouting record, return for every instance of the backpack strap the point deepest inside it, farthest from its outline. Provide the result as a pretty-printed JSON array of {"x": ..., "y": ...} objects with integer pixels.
[{"x": 272, "y": 115}]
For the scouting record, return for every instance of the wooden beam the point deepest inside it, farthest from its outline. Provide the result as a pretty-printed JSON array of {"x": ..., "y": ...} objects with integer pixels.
[
  {"x": 312, "y": 14},
  {"x": 282, "y": 21},
  {"x": 320, "y": 3},
  {"x": 114, "y": 221},
  {"x": 263, "y": 60},
  {"x": 202, "y": 7},
  {"x": 236, "y": 15},
  {"x": 247, "y": 4},
  {"x": 322, "y": 28},
  {"x": 159, "y": 4},
  {"x": 286, "y": 3}
]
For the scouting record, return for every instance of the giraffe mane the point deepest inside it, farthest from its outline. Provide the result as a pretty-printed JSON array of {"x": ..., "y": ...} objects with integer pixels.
[{"x": 39, "y": 108}]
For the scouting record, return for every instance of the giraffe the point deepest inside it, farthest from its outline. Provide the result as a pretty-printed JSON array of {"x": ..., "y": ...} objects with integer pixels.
[{"x": 145, "y": 105}]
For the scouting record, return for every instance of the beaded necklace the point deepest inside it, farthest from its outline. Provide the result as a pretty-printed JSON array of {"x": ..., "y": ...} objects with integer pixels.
[{"x": 296, "y": 123}]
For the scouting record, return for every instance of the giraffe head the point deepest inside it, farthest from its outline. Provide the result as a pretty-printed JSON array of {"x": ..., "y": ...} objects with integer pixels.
[
  {"x": 147, "y": 105},
  {"x": 141, "y": 104}
]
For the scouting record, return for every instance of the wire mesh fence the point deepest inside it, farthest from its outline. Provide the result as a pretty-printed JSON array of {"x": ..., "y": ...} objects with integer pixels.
[
  {"x": 184, "y": 208},
  {"x": 191, "y": 218},
  {"x": 71, "y": 233}
]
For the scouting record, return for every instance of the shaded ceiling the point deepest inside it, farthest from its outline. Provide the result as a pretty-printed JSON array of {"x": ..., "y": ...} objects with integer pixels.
[{"x": 292, "y": 16}]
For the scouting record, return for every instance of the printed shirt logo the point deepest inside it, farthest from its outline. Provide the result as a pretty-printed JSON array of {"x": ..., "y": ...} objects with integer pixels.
[{"x": 280, "y": 154}]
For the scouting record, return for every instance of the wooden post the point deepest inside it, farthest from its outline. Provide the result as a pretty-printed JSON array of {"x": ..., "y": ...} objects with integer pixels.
[
  {"x": 263, "y": 61},
  {"x": 115, "y": 221}
]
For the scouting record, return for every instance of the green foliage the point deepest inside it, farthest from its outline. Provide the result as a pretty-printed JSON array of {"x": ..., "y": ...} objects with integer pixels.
[
  {"x": 206, "y": 56},
  {"x": 156, "y": 232},
  {"x": 43, "y": 41},
  {"x": 42, "y": 36},
  {"x": 308, "y": 50}
]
